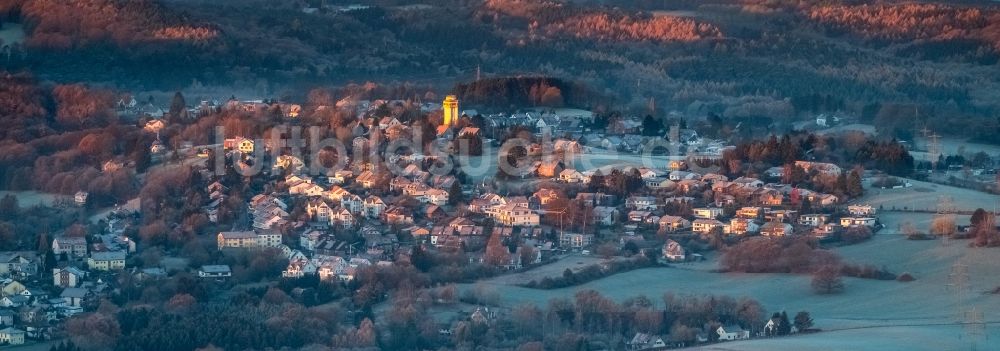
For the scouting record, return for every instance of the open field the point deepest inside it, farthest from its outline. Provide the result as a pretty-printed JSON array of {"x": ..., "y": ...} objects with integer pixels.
[
  {"x": 923, "y": 195},
  {"x": 575, "y": 262},
  {"x": 11, "y": 33},
  {"x": 31, "y": 198}
]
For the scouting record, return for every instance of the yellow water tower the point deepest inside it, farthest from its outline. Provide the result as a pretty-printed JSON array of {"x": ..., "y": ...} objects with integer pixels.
[{"x": 450, "y": 107}]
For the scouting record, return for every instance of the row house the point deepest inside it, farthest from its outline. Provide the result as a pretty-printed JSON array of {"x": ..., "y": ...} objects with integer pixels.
[{"x": 248, "y": 239}]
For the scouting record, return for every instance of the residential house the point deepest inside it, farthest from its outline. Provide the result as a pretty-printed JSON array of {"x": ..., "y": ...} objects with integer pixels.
[
  {"x": 683, "y": 175},
  {"x": 318, "y": 210},
  {"x": 17, "y": 265},
  {"x": 824, "y": 200},
  {"x": 740, "y": 226},
  {"x": 575, "y": 240},
  {"x": 80, "y": 198},
  {"x": 705, "y": 226},
  {"x": 677, "y": 165},
  {"x": 398, "y": 215},
  {"x": 12, "y": 287},
  {"x": 549, "y": 169},
  {"x": 780, "y": 215},
  {"x": 6, "y": 317},
  {"x": 641, "y": 217},
  {"x": 545, "y": 196},
  {"x": 76, "y": 297},
  {"x": 571, "y": 176},
  {"x": 707, "y": 212},
  {"x": 861, "y": 210},
  {"x": 12, "y": 336},
  {"x": 858, "y": 221},
  {"x": 72, "y": 246},
  {"x": 605, "y": 215},
  {"x": 643, "y": 341},
  {"x": 776, "y": 229},
  {"x": 659, "y": 183},
  {"x": 813, "y": 219},
  {"x": 673, "y": 223},
  {"x": 107, "y": 261},
  {"x": 673, "y": 251},
  {"x": 352, "y": 203},
  {"x": 244, "y": 239},
  {"x": 820, "y": 167},
  {"x": 68, "y": 277},
  {"x": 732, "y": 332},
  {"x": 641, "y": 203},
  {"x": 216, "y": 271},
  {"x": 373, "y": 206},
  {"x": 512, "y": 214},
  {"x": 343, "y": 218},
  {"x": 749, "y": 183},
  {"x": 750, "y": 212},
  {"x": 769, "y": 197},
  {"x": 435, "y": 196}
]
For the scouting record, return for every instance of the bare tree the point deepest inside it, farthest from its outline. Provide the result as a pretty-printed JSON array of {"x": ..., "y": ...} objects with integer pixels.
[{"x": 826, "y": 280}]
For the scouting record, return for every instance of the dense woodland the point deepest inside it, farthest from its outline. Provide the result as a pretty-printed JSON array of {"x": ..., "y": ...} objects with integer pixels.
[{"x": 757, "y": 59}]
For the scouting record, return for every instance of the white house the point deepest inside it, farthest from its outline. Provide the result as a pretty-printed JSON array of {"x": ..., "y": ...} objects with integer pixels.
[
  {"x": 707, "y": 212},
  {"x": 215, "y": 271},
  {"x": 813, "y": 219},
  {"x": 11, "y": 336},
  {"x": 857, "y": 221},
  {"x": 732, "y": 332},
  {"x": 641, "y": 203}
]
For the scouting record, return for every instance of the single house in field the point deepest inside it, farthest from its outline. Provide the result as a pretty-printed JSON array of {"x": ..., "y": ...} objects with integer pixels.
[
  {"x": 81, "y": 198},
  {"x": 732, "y": 332},
  {"x": 215, "y": 271},
  {"x": 673, "y": 251},
  {"x": 643, "y": 341}
]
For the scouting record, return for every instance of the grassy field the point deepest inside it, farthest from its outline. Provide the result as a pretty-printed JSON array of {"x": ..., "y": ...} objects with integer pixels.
[{"x": 870, "y": 314}]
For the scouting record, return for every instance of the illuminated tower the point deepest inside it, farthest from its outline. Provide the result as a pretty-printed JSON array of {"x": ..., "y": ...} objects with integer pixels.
[{"x": 450, "y": 107}]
